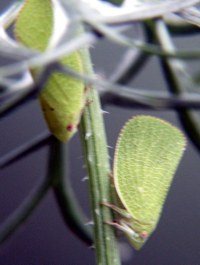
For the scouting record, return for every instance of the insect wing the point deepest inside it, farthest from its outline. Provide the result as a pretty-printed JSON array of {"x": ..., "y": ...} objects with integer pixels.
[
  {"x": 63, "y": 97},
  {"x": 147, "y": 154}
]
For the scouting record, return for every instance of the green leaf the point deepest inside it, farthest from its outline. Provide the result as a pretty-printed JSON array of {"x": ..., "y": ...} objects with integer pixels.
[
  {"x": 63, "y": 97},
  {"x": 147, "y": 155}
]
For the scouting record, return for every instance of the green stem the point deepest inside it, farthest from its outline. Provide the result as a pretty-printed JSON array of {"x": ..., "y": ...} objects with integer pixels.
[
  {"x": 97, "y": 161},
  {"x": 22, "y": 213},
  {"x": 25, "y": 149},
  {"x": 178, "y": 81},
  {"x": 64, "y": 195},
  {"x": 183, "y": 29},
  {"x": 150, "y": 49},
  {"x": 56, "y": 177}
]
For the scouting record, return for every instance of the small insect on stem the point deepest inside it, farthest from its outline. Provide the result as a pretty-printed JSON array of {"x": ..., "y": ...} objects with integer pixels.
[
  {"x": 147, "y": 155},
  {"x": 63, "y": 97}
]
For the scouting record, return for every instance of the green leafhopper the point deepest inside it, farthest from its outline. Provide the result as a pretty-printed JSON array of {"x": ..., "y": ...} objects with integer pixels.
[
  {"x": 147, "y": 155},
  {"x": 63, "y": 97}
]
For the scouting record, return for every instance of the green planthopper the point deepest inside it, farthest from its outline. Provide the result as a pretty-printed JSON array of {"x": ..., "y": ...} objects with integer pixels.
[
  {"x": 63, "y": 97},
  {"x": 147, "y": 155}
]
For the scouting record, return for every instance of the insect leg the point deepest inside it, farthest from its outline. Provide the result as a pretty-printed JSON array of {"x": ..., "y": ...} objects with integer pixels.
[
  {"x": 126, "y": 229},
  {"x": 119, "y": 210}
]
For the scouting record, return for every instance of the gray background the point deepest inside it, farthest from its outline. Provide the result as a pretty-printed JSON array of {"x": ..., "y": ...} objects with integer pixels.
[{"x": 44, "y": 239}]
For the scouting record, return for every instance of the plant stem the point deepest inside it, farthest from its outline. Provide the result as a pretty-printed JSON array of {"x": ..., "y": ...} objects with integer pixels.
[
  {"x": 178, "y": 81},
  {"x": 97, "y": 160},
  {"x": 24, "y": 211},
  {"x": 38, "y": 142},
  {"x": 21, "y": 214},
  {"x": 64, "y": 195}
]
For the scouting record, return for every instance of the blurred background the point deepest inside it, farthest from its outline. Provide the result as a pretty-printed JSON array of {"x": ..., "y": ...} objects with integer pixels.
[{"x": 44, "y": 239}]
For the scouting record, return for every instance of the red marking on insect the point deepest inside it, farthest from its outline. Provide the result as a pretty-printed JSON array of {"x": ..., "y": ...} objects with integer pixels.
[
  {"x": 144, "y": 235},
  {"x": 71, "y": 127}
]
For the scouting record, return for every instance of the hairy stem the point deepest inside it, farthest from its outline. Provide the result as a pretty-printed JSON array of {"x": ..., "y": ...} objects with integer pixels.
[{"x": 97, "y": 161}]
